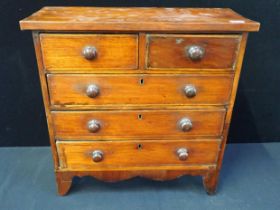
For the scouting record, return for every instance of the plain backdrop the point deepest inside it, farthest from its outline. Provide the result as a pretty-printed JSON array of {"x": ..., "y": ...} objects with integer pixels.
[{"x": 256, "y": 116}]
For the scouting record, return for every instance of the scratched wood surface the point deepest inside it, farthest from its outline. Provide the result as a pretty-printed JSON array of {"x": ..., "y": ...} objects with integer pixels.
[
  {"x": 69, "y": 90},
  {"x": 138, "y": 19},
  {"x": 64, "y": 51},
  {"x": 169, "y": 51},
  {"x": 140, "y": 70},
  {"x": 142, "y": 124},
  {"x": 78, "y": 155}
]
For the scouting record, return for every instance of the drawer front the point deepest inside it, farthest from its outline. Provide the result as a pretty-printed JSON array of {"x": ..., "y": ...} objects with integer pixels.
[
  {"x": 161, "y": 124},
  {"x": 62, "y": 52},
  {"x": 119, "y": 154},
  {"x": 192, "y": 51},
  {"x": 86, "y": 90}
]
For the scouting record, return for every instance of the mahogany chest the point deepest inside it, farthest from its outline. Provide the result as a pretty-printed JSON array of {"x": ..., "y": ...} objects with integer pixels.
[{"x": 138, "y": 91}]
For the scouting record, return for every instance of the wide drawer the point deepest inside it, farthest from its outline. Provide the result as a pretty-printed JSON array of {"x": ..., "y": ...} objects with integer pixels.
[
  {"x": 96, "y": 155},
  {"x": 192, "y": 51},
  {"x": 110, "y": 90},
  {"x": 160, "y": 124},
  {"x": 62, "y": 52}
]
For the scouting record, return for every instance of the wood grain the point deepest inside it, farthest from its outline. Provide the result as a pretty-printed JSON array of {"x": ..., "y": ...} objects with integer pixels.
[
  {"x": 212, "y": 180},
  {"x": 64, "y": 51},
  {"x": 116, "y": 90},
  {"x": 45, "y": 94},
  {"x": 118, "y": 125},
  {"x": 78, "y": 155},
  {"x": 63, "y": 183},
  {"x": 169, "y": 51},
  {"x": 159, "y": 173},
  {"x": 139, "y": 133},
  {"x": 138, "y": 19}
]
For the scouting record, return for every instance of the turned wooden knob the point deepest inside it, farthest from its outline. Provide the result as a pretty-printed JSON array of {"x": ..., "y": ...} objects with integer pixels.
[
  {"x": 185, "y": 124},
  {"x": 182, "y": 153},
  {"x": 89, "y": 52},
  {"x": 190, "y": 91},
  {"x": 97, "y": 155},
  {"x": 92, "y": 91},
  {"x": 93, "y": 126},
  {"x": 195, "y": 52}
]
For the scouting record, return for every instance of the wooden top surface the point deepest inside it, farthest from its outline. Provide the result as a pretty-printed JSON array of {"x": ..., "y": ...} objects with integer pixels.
[{"x": 137, "y": 19}]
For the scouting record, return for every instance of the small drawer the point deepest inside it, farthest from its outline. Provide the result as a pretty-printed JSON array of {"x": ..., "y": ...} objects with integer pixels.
[
  {"x": 80, "y": 52},
  {"x": 69, "y": 91},
  {"x": 159, "y": 124},
  {"x": 109, "y": 155},
  {"x": 192, "y": 51}
]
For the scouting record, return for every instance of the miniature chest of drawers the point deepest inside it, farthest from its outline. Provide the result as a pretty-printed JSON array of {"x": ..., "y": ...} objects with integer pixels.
[{"x": 138, "y": 91}]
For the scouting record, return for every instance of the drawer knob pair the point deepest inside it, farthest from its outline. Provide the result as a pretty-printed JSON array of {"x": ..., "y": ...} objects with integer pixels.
[
  {"x": 182, "y": 153},
  {"x": 195, "y": 52},
  {"x": 92, "y": 91},
  {"x": 89, "y": 52},
  {"x": 185, "y": 125},
  {"x": 97, "y": 155}
]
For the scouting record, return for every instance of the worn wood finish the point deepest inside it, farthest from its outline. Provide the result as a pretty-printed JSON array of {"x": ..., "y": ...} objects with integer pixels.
[
  {"x": 63, "y": 183},
  {"x": 142, "y": 51},
  {"x": 144, "y": 71},
  {"x": 129, "y": 154},
  {"x": 142, "y": 124},
  {"x": 44, "y": 89},
  {"x": 169, "y": 51},
  {"x": 210, "y": 180},
  {"x": 71, "y": 90},
  {"x": 64, "y": 51},
  {"x": 214, "y": 174},
  {"x": 64, "y": 178},
  {"x": 138, "y": 19},
  {"x": 140, "y": 69}
]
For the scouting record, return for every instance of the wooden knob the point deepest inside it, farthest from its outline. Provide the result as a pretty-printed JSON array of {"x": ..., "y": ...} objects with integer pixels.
[
  {"x": 97, "y": 155},
  {"x": 185, "y": 124},
  {"x": 190, "y": 91},
  {"x": 93, "y": 126},
  {"x": 195, "y": 52},
  {"x": 89, "y": 52},
  {"x": 182, "y": 154},
  {"x": 92, "y": 91}
]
